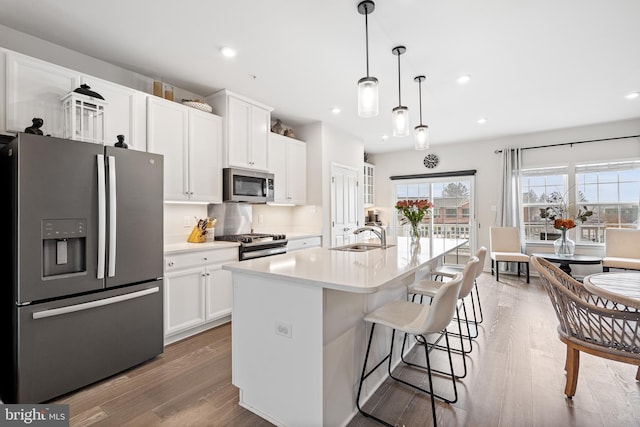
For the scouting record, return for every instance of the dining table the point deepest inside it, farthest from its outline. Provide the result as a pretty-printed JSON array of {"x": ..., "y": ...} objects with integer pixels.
[{"x": 622, "y": 287}]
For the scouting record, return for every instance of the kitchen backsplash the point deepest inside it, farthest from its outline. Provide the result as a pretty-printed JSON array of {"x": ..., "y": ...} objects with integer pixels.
[{"x": 266, "y": 219}]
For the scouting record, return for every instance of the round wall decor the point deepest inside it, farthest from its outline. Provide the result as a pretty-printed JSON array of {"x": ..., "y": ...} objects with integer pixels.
[{"x": 431, "y": 161}]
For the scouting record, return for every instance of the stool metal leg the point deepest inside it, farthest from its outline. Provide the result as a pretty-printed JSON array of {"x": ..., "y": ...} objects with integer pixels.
[{"x": 366, "y": 374}]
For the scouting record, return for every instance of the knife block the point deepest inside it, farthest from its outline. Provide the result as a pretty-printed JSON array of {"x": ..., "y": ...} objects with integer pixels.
[{"x": 197, "y": 235}]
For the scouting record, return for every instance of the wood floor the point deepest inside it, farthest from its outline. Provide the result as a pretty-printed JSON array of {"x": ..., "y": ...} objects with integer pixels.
[{"x": 516, "y": 378}]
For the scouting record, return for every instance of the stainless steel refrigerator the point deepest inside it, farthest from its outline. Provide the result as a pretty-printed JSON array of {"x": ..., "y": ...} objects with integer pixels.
[{"x": 81, "y": 270}]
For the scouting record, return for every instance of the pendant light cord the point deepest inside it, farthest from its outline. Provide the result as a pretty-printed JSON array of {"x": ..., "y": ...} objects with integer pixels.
[
  {"x": 366, "y": 32},
  {"x": 420, "y": 98},
  {"x": 399, "y": 92}
]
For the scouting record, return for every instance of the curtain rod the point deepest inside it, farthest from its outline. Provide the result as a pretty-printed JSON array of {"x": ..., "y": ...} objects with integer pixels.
[{"x": 575, "y": 142}]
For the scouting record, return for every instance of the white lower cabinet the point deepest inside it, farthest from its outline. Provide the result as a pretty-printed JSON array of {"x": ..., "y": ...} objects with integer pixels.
[{"x": 198, "y": 294}]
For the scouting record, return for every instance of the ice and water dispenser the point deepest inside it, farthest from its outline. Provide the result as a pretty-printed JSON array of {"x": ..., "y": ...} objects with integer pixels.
[{"x": 63, "y": 247}]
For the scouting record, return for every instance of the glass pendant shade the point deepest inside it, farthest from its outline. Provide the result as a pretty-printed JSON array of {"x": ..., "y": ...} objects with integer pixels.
[
  {"x": 368, "y": 97},
  {"x": 400, "y": 117},
  {"x": 422, "y": 137}
]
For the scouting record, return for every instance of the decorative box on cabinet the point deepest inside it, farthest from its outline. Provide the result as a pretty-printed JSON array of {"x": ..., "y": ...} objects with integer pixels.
[
  {"x": 198, "y": 293},
  {"x": 190, "y": 141},
  {"x": 246, "y": 130},
  {"x": 288, "y": 163},
  {"x": 369, "y": 170}
]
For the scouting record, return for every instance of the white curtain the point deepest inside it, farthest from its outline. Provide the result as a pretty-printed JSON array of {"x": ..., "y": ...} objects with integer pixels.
[{"x": 509, "y": 209}]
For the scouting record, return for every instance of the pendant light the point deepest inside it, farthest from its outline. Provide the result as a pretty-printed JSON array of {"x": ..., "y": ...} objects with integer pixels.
[
  {"x": 367, "y": 86},
  {"x": 400, "y": 114},
  {"x": 422, "y": 131}
]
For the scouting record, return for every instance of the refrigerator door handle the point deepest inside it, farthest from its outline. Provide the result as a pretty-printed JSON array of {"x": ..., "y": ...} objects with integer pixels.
[
  {"x": 102, "y": 216},
  {"x": 93, "y": 304},
  {"x": 112, "y": 216}
]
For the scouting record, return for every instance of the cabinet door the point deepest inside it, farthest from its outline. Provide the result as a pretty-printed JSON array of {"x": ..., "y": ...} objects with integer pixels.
[
  {"x": 121, "y": 116},
  {"x": 167, "y": 134},
  {"x": 260, "y": 127},
  {"x": 219, "y": 292},
  {"x": 34, "y": 89},
  {"x": 238, "y": 131},
  {"x": 205, "y": 151},
  {"x": 184, "y": 300},
  {"x": 297, "y": 172},
  {"x": 278, "y": 167}
]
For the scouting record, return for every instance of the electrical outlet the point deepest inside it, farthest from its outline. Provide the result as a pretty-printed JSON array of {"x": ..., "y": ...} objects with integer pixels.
[
  {"x": 283, "y": 328},
  {"x": 187, "y": 221},
  {"x": 260, "y": 219}
]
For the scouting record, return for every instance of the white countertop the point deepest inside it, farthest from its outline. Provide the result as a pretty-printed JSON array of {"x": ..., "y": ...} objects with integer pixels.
[
  {"x": 173, "y": 248},
  {"x": 357, "y": 272}
]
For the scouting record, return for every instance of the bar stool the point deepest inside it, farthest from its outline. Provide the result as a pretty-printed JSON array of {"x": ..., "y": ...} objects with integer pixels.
[
  {"x": 430, "y": 288},
  {"x": 414, "y": 319},
  {"x": 449, "y": 271}
]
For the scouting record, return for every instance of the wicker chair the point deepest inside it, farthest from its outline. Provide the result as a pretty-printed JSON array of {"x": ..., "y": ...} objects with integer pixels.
[{"x": 589, "y": 323}]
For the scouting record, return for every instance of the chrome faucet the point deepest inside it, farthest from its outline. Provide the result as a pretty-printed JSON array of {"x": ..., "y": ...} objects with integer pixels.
[{"x": 382, "y": 234}]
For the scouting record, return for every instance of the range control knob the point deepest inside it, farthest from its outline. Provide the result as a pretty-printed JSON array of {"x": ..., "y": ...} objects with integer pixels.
[{"x": 246, "y": 239}]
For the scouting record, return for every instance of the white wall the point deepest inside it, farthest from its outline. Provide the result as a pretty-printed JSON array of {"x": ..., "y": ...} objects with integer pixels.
[{"x": 480, "y": 155}]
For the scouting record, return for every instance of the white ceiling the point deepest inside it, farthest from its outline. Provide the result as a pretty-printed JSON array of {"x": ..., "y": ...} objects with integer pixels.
[{"x": 534, "y": 65}]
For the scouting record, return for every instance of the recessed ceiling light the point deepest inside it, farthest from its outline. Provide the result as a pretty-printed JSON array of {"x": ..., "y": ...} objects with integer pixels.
[
  {"x": 463, "y": 79},
  {"x": 335, "y": 110},
  {"x": 228, "y": 52},
  {"x": 482, "y": 120},
  {"x": 385, "y": 137},
  {"x": 633, "y": 95}
]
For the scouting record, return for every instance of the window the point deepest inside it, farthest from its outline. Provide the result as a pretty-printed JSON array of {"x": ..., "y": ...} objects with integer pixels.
[
  {"x": 538, "y": 185},
  {"x": 451, "y": 213},
  {"x": 612, "y": 192}
]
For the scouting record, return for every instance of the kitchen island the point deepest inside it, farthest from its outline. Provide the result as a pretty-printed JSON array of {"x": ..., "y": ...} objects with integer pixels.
[{"x": 298, "y": 335}]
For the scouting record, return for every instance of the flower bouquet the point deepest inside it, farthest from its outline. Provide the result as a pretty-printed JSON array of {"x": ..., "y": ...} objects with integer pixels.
[
  {"x": 559, "y": 214},
  {"x": 412, "y": 212}
]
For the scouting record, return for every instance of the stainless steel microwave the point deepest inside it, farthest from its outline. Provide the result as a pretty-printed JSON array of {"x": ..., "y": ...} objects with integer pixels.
[{"x": 243, "y": 185}]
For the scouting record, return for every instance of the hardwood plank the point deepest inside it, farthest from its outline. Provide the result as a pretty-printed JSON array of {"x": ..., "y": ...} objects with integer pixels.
[{"x": 516, "y": 377}]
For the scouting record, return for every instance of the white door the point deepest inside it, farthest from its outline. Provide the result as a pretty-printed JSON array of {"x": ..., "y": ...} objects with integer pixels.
[
  {"x": 344, "y": 207},
  {"x": 238, "y": 132}
]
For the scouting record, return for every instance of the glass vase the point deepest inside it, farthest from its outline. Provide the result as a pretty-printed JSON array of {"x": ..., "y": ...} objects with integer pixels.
[
  {"x": 414, "y": 233},
  {"x": 564, "y": 246}
]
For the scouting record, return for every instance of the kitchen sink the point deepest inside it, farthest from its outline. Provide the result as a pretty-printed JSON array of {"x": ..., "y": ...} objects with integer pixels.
[{"x": 358, "y": 247}]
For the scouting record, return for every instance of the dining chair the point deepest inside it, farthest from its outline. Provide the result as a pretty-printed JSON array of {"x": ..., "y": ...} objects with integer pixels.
[
  {"x": 589, "y": 323},
  {"x": 414, "y": 319},
  {"x": 622, "y": 249},
  {"x": 504, "y": 246}
]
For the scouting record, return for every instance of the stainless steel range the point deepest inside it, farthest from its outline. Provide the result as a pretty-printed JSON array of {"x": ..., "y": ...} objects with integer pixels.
[
  {"x": 234, "y": 225},
  {"x": 256, "y": 245}
]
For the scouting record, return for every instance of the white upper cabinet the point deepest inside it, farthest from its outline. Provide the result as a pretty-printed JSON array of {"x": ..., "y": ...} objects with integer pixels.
[
  {"x": 246, "y": 130},
  {"x": 125, "y": 113},
  {"x": 288, "y": 163},
  {"x": 34, "y": 89},
  {"x": 205, "y": 153},
  {"x": 369, "y": 171},
  {"x": 189, "y": 139}
]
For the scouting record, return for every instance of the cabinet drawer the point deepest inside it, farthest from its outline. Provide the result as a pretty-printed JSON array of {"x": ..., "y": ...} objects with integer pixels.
[
  {"x": 311, "y": 242},
  {"x": 200, "y": 258}
]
